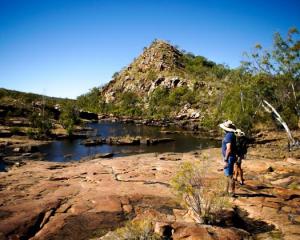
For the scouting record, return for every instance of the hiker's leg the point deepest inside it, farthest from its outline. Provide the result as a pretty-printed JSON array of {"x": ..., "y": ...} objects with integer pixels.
[
  {"x": 241, "y": 174},
  {"x": 238, "y": 170},
  {"x": 232, "y": 185},
  {"x": 235, "y": 172},
  {"x": 228, "y": 182},
  {"x": 228, "y": 171}
]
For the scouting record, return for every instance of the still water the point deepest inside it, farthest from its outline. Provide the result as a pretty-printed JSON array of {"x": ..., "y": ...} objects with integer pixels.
[{"x": 66, "y": 150}]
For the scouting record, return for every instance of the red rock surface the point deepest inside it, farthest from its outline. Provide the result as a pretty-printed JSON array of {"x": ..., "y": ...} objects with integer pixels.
[{"x": 44, "y": 200}]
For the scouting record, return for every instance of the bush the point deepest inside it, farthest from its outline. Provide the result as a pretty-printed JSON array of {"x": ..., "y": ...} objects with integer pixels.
[
  {"x": 91, "y": 101},
  {"x": 202, "y": 196},
  {"x": 135, "y": 230},
  {"x": 126, "y": 104},
  {"x": 69, "y": 117},
  {"x": 41, "y": 125},
  {"x": 15, "y": 130},
  {"x": 163, "y": 101}
]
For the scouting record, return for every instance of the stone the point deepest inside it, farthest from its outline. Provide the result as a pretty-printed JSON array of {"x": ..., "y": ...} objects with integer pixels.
[
  {"x": 127, "y": 208},
  {"x": 104, "y": 155},
  {"x": 93, "y": 141},
  {"x": 283, "y": 181},
  {"x": 293, "y": 161},
  {"x": 155, "y": 141},
  {"x": 195, "y": 232},
  {"x": 44, "y": 200},
  {"x": 17, "y": 149}
]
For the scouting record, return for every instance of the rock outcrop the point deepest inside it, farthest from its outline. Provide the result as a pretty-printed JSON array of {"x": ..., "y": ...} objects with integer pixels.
[
  {"x": 44, "y": 200},
  {"x": 158, "y": 65}
]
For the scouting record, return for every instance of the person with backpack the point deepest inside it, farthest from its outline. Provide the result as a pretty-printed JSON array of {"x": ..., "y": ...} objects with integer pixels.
[
  {"x": 229, "y": 154},
  {"x": 241, "y": 151}
]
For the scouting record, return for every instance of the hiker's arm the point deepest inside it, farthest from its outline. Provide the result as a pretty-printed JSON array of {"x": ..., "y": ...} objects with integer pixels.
[{"x": 228, "y": 151}]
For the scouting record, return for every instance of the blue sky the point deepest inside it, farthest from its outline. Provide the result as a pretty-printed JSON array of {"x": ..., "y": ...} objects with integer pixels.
[{"x": 64, "y": 48}]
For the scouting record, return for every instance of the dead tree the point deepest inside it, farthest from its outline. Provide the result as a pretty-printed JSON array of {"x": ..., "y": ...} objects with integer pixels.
[{"x": 270, "y": 109}]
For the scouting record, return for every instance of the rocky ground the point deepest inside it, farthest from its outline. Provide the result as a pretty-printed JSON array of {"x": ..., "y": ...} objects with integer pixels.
[{"x": 44, "y": 200}]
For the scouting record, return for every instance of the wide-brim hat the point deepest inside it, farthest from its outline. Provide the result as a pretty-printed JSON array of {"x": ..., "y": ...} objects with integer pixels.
[
  {"x": 228, "y": 126},
  {"x": 239, "y": 132}
]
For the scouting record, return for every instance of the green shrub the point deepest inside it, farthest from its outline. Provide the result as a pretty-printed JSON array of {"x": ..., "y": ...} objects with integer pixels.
[
  {"x": 31, "y": 133},
  {"x": 69, "y": 117},
  {"x": 14, "y": 130},
  {"x": 126, "y": 104},
  {"x": 41, "y": 124},
  {"x": 202, "y": 196},
  {"x": 164, "y": 102},
  {"x": 135, "y": 230},
  {"x": 91, "y": 101}
]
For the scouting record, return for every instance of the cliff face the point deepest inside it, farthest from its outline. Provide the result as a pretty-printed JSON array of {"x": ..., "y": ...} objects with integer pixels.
[{"x": 159, "y": 64}]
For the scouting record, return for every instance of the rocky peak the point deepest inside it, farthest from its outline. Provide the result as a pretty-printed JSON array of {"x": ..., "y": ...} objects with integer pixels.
[
  {"x": 159, "y": 56},
  {"x": 159, "y": 64}
]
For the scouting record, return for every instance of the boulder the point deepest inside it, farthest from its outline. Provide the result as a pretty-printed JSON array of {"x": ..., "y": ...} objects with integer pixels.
[
  {"x": 104, "y": 155},
  {"x": 155, "y": 141},
  {"x": 123, "y": 141},
  {"x": 93, "y": 141}
]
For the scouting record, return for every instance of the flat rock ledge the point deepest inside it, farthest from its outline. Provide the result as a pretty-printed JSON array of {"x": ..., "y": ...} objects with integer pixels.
[{"x": 86, "y": 200}]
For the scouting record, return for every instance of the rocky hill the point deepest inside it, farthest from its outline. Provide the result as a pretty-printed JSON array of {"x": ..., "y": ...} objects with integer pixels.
[
  {"x": 187, "y": 82},
  {"x": 161, "y": 64}
]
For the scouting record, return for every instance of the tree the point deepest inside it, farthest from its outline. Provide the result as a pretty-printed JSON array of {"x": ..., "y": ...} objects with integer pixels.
[
  {"x": 283, "y": 59},
  {"x": 41, "y": 124},
  {"x": 90, "y": 101},
  {"x": 276, "y": 75},
  {"x": 69, "y": 117}
]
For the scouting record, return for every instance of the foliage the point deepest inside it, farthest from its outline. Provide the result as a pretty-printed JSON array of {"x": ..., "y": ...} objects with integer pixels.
[
  {"x": 151, "y": 76},
  {"x": 283, "y": 59},
  {"x": 269, "y": 75},
  {"x": 201, "y": 195},
  {"x": 69, "y": 117},
  {"x": 126, "y": 104},
  {"x": 41, "y": 124},
  {"x": 15, "y": 130},
  {"x": 239, "y": 101},
  {"x": 197, "y": 65},
  {"x": 135, "y": 230},
  {"x": 91, "y": 101},
  {"x": 22, "y": 99},
  {"x": 164, "y": 101}
]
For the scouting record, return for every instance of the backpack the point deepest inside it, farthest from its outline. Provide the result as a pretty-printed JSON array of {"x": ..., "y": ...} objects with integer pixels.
[{"x": 241, "y": 146}]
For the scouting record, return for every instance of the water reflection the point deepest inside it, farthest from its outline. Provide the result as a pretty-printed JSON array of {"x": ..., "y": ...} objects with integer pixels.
[{"x": 67, "y": 150}]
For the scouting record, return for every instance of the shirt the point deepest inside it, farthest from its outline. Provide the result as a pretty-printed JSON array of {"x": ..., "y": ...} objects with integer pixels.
[{"x": 229, "y": 138}]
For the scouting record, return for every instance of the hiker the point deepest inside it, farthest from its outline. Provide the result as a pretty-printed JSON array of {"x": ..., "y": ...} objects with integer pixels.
[
  {"x": 241, "y": 151},
  {"x": 229, "y": 154}
]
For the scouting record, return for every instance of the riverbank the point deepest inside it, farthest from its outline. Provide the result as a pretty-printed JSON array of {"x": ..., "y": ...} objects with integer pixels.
[
  {"x": 42, "y": 200},
  {"x": 118, "y": 138}
]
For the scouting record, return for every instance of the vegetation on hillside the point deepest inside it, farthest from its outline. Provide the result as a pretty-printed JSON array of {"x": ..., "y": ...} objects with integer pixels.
[
  {"x": 272, "y": 75},
  {"x": 41, "y": 111},
  {"x": 22, "y": 99},
  {"x": 216, "y": 91},
  {"x": 91, "y": 101},
  {"x": 164, "y": 102}
]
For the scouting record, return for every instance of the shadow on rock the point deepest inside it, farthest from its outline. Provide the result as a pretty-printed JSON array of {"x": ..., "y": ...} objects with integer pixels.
[{"x": 242, "y": 221}]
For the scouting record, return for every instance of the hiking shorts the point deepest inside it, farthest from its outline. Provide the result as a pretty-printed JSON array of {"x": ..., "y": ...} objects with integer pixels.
[{"x": 228, "y": 171}]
